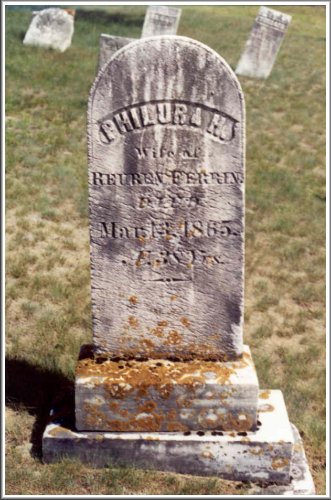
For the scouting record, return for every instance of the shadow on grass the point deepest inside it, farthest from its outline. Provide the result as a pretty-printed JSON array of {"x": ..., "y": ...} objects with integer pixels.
[
  {"x": 38, "y": 390},
  {"x": 100, "y": 16}
]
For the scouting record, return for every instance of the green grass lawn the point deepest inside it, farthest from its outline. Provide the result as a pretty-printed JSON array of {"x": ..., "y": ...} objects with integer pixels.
[{"x": 48, "y": 310}]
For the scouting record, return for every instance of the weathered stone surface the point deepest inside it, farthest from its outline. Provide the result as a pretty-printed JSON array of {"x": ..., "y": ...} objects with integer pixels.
[
  {"x": 263, "y": 44},
  {"x": 160, "y": 20},
  {"x": 51, "y": 28},
  {"x": 263, "y": 455},
  {"x": 301, "y": 479},
  {"x": 108, "y": 45},
  {"x": 166, "y": 194},
  {"x": 165, "y": 395}
]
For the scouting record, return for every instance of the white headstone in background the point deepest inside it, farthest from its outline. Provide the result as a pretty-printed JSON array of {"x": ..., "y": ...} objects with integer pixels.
[
  {"x": 109, "y": 45},
  {"x": 160, "y": 20},
  {"x": 51, "y": 29},
  {"x": 263, "y": 44}
]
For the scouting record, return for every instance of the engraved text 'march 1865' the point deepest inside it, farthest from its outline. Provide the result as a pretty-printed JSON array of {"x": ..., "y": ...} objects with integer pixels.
[{"x": 166, "y": 197}]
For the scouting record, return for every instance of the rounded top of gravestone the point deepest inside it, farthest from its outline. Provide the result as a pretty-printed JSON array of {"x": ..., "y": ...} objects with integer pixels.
[{"x": 169, "y": 66}]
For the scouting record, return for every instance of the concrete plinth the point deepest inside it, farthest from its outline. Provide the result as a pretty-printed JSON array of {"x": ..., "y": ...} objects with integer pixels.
[
  {"x": 261, "y": 456},
  {"x": 162, "y": 395}
]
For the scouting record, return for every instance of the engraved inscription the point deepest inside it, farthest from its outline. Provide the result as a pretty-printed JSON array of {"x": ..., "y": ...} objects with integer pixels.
[
  {"x": 148, "y": 153},
  {"x": 169, "y": 201},
  {"x": 212, "y": 121},
  {"x": 162, "y": 20},
  {"x": 168, "y": 230},
  {"x": 185, "y": 257},
  {"x": 174, "y": 177}
]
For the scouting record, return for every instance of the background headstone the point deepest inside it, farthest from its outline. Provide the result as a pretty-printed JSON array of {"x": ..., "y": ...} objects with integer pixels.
[
  {"x": 108, "y": 45},
  {"x": 166, "y": 173},
  {"x": 263, "y": 44},
  {"x": 51, "y": 29},
  {"x": 160, "y": 20}
]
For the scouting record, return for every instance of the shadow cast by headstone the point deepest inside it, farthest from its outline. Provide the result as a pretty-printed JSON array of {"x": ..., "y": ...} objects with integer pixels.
[
  {"x": 38, "y": 390},
  {"x": 100, "y": 16}
]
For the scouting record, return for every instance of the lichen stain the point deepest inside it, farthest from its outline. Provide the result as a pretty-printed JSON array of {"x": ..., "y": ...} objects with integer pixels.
[
  {"x": 266, "y": 408},
  {"x": 255, "y": 451},
  {"x": 133, "y": 300},
  {"x": 207, "y": 454},
  {"x": 186, "y": 322},
  {"x": 162, "y": 323},
  {"x": 176, "y": 427},
  {"x": 279, "y": 463},
  {"x": 173, "y": 338},
  {"x": 132, "y": 320},
  {"x": 264, "y": 395},
  {"x": 147, "y": 407},
  {"x": 158, "y": 331},
  {"x": 173, "y": 297},
  {"x": 58, "y": 430}
]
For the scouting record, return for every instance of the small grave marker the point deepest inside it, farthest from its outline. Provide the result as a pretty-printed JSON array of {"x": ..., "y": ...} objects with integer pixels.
[
  {"x": 263, "y": 44},
  {"x": 160, "y": 20},
  {"x": 51, "y": 28}
]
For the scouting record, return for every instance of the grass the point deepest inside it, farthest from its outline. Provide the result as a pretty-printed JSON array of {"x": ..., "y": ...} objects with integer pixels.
[{"x": 48, "y": 311}]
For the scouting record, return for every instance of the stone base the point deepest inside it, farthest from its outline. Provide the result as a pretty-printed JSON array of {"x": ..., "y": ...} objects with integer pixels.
[
  {"x": 166, "y": 396},
  {"x": 301, "y": 479},
  {"x": 271, "y": 455}
]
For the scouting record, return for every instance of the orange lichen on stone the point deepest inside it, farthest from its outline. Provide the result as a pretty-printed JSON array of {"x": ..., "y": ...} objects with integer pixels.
[
  {"x": 147, "y": 407},
  {"x": 185, "y": 322},
  {"x": 280, "y": 463},
  {"x": 176, "y": 427},
  {"x": 151, "y": 422},
  {"x": 165, "y": 391},
  {"x": 122, "y": 376},
  {"x": 58, "y": 430},
  {"x": 133, "y": 300},
  {"x": 148, "y": 343},
  {"x": 172, "y": 414},
  {"x": 264, "y": 394},
  {"x": 173, "y": 338},
  {"x": 133, "y": 321},
  {"x": 173, "y": 297},
  {"x": 158, "y": 331},
  {"x": 255, "y": 451},
  {"x": 163, "y": 323}
]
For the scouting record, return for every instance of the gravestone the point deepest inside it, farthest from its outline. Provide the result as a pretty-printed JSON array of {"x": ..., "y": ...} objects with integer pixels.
[
  {"x": 160, "y": 20},
  {"x": 166, "y": 213},
  {"x": 263, "y": 44},
  {"x": 108, "y": 45},
  {"x": 51, "y": 29},
  {"x": 167, "y": 382}
]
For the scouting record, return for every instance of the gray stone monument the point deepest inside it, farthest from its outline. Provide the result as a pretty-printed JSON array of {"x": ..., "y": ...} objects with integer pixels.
[
  {"x": 168, "y": 383},
  {"x": 263, "y": 44},
  {"x": 108, "y": 45},
  {"x": 51, "y": 29},
  {"x": 160, "y": 20}
]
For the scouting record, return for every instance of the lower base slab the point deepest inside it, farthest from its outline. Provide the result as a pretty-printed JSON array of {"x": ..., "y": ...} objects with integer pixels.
[
  {"x": 301, "y": 479},
  {"x": 271, "y": 455}
]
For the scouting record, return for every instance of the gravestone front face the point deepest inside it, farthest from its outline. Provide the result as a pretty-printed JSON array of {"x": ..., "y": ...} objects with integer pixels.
[
  {"x": 51, "y": 29},
  {"x": 108, "y": 45},
  {"x": 166, "y": 197},
  {"x": 160, "y": 20},
  {"x": 263, "y": 44}
]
